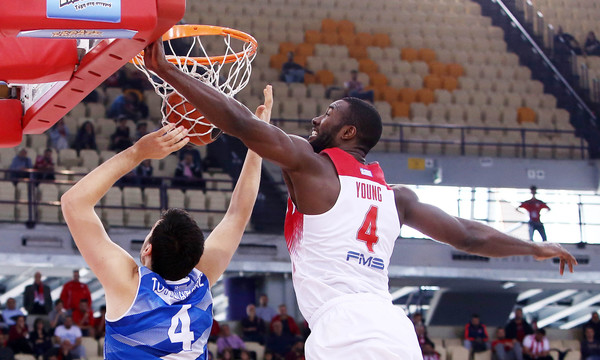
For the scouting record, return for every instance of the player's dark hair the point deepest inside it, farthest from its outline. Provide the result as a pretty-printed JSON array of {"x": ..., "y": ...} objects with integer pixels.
[
  {"x": 367, "y": 121},
  {"x": 533, "y": 188},
  {"x": 177, "y": 244}
]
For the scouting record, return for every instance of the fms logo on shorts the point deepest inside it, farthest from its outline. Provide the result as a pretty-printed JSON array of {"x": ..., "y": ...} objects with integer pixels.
[{"x": 372, "y": 262}]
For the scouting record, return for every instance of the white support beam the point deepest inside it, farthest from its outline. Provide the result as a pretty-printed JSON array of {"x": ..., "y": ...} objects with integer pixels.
[
  {"x": 403, "y": 291},
  {"x": 568, "y": 311},
  {"x": 547, "y": 301}
]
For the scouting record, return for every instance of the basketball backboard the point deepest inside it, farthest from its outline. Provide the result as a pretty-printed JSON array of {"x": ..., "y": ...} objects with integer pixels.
[{"x": 55, "y": 52}]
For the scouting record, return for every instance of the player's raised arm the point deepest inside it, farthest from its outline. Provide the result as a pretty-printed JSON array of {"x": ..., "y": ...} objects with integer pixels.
[
  {"x": 289, "y": 152},
  {"x": 113, "y": 266},
  {"x": 471, "y": 236},
  {"x": 225, "y": 238}
]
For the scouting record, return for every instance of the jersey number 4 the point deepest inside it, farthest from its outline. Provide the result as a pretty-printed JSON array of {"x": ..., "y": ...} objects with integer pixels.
[
  {"x": 368, "y": 229},
  {"x": 184, "y": 336}
]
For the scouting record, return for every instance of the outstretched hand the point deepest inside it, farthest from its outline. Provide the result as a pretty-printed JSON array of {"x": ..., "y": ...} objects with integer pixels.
[
  {"x": 154, "y": 56},
  {"x": 162, "y": 142},
  {"x": 263, "y": 112},
  {"x": 551, "y": 250}
]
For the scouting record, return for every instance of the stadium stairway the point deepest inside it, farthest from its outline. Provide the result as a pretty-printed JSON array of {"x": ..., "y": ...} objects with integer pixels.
[{"x": 521, "y": 40}]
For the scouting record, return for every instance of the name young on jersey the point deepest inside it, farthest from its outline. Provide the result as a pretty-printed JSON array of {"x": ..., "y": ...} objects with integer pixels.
[
  {"x": 361, "y": 259},
  {"x": 368, "y": 191}
]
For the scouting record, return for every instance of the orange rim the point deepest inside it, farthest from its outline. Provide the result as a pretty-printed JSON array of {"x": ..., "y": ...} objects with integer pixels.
[{"x": 183, "y": 31}]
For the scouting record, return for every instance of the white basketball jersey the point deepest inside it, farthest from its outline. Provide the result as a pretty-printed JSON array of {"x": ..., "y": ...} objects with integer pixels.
[{"x": 347, "y": 249}]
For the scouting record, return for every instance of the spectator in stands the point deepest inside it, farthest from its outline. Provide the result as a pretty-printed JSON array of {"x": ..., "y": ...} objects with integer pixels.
[
  {"x": 296, "y": 352},
  {"x": 292, "y": 72},
  {"x": 253, "y": 327},
  {"x": 73, "y": 291},
  {"x": 590, "y": 345},
  {"x": 536, "y": 346},
  {"x": 228, "y": 340},
  {"x": 144, "y": 173},
  {"x": 476, "y": 336},
  {"x": 354, "y": 88},
  {"x": 59, "y": 135},
  {"x": 4, "y": 90},
  {"x": 18, "y": 336},
  {"x": 121, "y": 139},
  {"x": 141, "y": 129},
  {"x": 11, "y": 312},
  {"x": 100, "y": 323},
  {"x": 83, "y": 317},
  {"x": 215, "y": 331},
  {"x": 263, "y": 310},
  {"x": 534, "y": 206},
  {"x": 518, "y": 327},
  {"x": 40, "y": 338},
  {"x": 45, "y": 163},
  {"x": 506, "y": 349},
  {"x": 565, "y": 42},
  {"x": 191, "y": 149},
  {"x": 57, "y": 316},
  {"x": 85, "y": 138},
  {"x": 593, "y": 323},
  {"x": 20, "y": 162},
  {"x": 592, "y": 45},
  {"x": 188, "y": 174},
  {"x": 429, "y": 352},
  {"x": 36, "y": 298},
  {"x": 245, "y": 355},
  {"x": 6, "y": 353},
  {"x": 278, "y": 342},
  {"x": 421, "y": 334},
  {"x": 68, "y": 336},
  {"x": 290, "y": 327},
  {"x": 129, "y": 105},
  {"x": 417, "y": 318}
]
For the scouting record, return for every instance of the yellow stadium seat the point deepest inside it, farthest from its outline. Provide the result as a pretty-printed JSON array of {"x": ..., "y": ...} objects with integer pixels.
[
  {"x": 378, "y": 81},
  {"x": 348, "y": 39},
  {"x": 407, "y": 95},
  {"x": 381, "y": 40},
  {"x": 364, "y": 39},
  {"x": 526, "y": 115},
  {"x": 358, "y": 52},
  {"x": 325, "y": 77},
  {"x": 367, "y": 66},
  {"x": 312, "y": 36},
  {"x": 330, "y": 38},
  {"x": 432, "y": 82},
  {"x": 277, "y": 60},
  {"x": 409, "y": 54},
  {"x": 400, "y": 109},
  {"x": 286, "y": 47},
  {"x": 345, "y": 27},
  {"x": 390, "y": 94},
  {"x": 305, "y": 49},
  {"x": 427, "y": 55},
  {"x": 425, "y": 96},
  {"x": 329, "y": 25},
  {"x": 455, "y": 70},
  {"x": 437, "y": 68},
  {"x": 449, "y": 83}
]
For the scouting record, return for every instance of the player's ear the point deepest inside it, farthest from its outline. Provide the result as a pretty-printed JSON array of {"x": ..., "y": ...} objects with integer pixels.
[
  {"x": 348, "y": 132},
  {"x": 147, "y": 251}
]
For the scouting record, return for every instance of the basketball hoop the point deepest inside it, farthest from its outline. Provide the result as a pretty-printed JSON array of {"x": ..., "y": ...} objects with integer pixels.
[{"x": 228, "y": 73}]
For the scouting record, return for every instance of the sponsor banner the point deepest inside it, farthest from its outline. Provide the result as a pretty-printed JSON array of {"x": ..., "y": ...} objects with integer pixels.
[
  {"x": 80, "y": 34},
  {"x": 91, "y": 10}
]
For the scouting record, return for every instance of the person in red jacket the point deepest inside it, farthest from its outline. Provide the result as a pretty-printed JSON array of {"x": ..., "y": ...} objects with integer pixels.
[
  {"x": 73, "y": 291},
  {"x": 289, "y": 324},
  {"x": 534, "y": 206},
  {"x": 476, "y": 335}
]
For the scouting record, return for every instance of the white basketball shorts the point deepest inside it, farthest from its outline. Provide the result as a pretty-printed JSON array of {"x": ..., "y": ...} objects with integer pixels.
[{"x": 361, "y": 326}]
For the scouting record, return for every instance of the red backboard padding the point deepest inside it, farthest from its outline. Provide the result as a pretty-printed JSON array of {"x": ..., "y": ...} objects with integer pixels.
[
  {"x": 34, "y": 61},
  {"x": 10, "y": 126}
]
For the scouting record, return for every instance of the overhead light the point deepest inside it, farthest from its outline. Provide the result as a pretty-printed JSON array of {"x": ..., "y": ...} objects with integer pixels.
[
  {"x": 508, "y": 285},
  {"x": 430, "y": 288}
]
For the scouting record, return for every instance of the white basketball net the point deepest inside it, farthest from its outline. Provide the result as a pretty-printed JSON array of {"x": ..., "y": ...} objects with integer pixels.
[{"x": 229, "y": 78}]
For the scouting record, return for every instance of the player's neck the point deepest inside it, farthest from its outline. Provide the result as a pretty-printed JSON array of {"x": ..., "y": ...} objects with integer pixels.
[{"x": 358, "y": 154}]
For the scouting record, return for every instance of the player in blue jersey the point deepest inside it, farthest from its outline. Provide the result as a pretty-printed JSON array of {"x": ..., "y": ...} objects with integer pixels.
[{"x": 163, "y": 309}]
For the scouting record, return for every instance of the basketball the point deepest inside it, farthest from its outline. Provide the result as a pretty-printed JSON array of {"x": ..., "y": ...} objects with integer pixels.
[{"x": 181, "y": 112}]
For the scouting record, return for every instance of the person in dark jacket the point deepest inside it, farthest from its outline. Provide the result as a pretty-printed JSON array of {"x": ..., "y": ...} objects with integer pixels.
[
  {"x": 476, "y": 335},
  {"x": 518, "y": 327}
]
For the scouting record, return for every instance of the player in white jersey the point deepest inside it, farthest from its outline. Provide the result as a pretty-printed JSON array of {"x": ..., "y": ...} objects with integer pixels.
[
  {"x": 340, "y": 235},
  {"x": 162, "y": 310}
]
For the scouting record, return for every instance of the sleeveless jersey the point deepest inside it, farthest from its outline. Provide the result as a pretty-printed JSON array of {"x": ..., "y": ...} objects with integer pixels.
[
  {"x": 347, "y": 249},
  {"x": 167, "y": 320}
]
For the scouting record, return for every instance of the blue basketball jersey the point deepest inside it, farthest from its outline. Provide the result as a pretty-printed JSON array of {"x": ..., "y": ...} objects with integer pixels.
[{"x": 167, "y": 320}]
